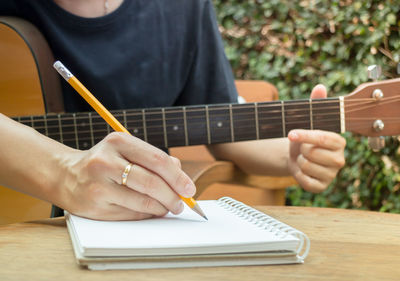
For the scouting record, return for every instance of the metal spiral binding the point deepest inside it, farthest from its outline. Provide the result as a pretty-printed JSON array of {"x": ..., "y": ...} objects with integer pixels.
[{"x": 266, "y": 222}]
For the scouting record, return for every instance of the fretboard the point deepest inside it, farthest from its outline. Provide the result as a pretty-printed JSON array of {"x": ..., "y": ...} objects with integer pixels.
[{"x": 193, "y": 125}]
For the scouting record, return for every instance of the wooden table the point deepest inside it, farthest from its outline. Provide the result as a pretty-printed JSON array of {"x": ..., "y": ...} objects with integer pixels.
[{"x": 345, "y": 245}]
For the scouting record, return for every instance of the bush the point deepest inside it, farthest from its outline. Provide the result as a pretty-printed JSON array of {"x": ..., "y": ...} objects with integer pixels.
[{"x": 298, "y": 44}]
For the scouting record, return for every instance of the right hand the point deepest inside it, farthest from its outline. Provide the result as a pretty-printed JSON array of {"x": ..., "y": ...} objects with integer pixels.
[{"x": 90, "y": 183}]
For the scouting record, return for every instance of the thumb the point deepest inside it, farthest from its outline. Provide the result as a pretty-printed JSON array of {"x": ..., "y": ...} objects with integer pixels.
[{"x": 318, "y": 92}]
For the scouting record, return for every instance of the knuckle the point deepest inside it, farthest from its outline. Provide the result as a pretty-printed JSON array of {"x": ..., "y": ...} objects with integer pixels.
[
  {"x": 181, "y": 180},
  {"x": 322, "y": 139},
  {"x": 340, "y": 161},
  {"x": 147, "y": 204},
  {"x": 342, "y": 141},
  {"x": 160, "y": 158},
  {"x": 176, "y": 161},
  {"x": 114, "y": 138},
  {"x": 96, "y": 163},
  {"x": 303, "y": 163}
]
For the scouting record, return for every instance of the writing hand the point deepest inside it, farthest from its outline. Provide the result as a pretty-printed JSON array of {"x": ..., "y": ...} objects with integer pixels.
[
  {"x": 315, "y": 156},
  {"x": 92, "y": 181}
]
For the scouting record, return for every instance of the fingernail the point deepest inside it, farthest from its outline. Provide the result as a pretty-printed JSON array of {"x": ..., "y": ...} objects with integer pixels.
[
  {"x": 293, "y": 136},
  {"x": 190, "y": 190}
]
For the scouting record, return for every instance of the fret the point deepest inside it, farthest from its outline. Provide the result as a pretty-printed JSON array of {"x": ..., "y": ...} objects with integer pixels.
[
  {"x": 164, "y": 128},
  {"x": 32, "y": 125},
  {"x": 231, "y": 122},
  {"x": 91, "y": 129},
  {"x": 311, "y": 115},
  {"x": 220, "y": 123},
  {"x": 154, "y": 127},
  {"x": 256, "y": 121},
  {"x": 175, "y": 126},
  {"x": 45, "y": 125},
  {"x": 108, "y": 129},
  {"x": 270, "y": 119},
  {"x": 297, "y": 115},
  {"x": 119, "y": 115},
  {"x": 38, "y": 124},
  {"x": 144, "y": 125},
  {"x": 26, "y": 120},
  {"x": 68, "y": 131},
  {"x": 60, "y": 128},
  {"x": 75, "y": 131},
  {"x": 125, "y": 123},
  {"x": 326, "y": 115},
  {"x": 100, "y": 128},
  {"x": 53, "y": 127},
  {"x": 283, "y": 120},
  {"x": 185, "y": 125},
  {"x": 244, "y": 122},
  {"x": 134, "y": 123},
  {"x": 83, "y": 130},
  {"x": 208, "y": 125},
  {"x": 196, "y": 121}
]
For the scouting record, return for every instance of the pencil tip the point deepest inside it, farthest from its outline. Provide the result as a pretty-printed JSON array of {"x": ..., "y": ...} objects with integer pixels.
[{"x": 198, "y": 210}]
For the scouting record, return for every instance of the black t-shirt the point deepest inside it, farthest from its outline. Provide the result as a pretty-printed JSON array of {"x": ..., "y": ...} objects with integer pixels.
[{"x": 147, "y": 53}]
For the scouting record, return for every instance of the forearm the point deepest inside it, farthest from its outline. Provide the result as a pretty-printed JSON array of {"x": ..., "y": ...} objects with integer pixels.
[
  {"x": 30, "y": 162},
  {"x": 264, "y": 157}
]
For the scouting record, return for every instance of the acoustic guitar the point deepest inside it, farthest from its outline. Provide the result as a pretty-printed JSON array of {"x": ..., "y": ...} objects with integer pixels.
[{"x": 30, "y": 93}]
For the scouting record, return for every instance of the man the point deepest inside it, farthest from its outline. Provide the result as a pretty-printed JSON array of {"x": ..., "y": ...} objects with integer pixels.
[{"x": 138, "y": 54}]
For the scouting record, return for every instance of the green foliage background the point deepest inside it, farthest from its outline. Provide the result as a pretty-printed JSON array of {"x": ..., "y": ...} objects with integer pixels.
[{"x": 298, "y": 44}]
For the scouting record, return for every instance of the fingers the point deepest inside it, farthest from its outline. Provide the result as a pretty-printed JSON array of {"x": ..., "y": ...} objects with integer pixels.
[
  {"x": 318, "y": 92},
  {"x": 114, "y": 212},
  {"x": 315, "y": 157},
  {"x": 324, "y": 139},
  {"x": 154, "y": 160},
  {"x": 321, "y": 156},
  {"x": 148, "y": 183},
  {"x": 135, "y": 201}
]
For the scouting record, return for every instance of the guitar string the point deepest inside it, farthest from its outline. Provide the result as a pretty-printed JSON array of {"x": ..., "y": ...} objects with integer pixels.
[{"x": 270, "y": 119}]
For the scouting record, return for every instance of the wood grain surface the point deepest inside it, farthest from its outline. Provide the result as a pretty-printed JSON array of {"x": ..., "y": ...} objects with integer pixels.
[{"x": 345, "y": 245}]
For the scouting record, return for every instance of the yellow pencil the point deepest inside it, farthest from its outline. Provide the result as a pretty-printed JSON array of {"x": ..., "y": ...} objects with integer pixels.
[{"x": 109, "y": 118}]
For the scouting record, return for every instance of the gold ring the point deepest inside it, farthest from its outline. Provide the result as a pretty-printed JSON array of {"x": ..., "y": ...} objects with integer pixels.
[{"x": 126, "y": 173}]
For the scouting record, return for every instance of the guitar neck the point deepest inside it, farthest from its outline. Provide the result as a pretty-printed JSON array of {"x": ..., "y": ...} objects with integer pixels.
[{"x": 194, "y": 125}]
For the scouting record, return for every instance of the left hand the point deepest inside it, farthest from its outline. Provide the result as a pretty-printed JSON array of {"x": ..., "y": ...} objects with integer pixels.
[{"x": 315, "y": 156}]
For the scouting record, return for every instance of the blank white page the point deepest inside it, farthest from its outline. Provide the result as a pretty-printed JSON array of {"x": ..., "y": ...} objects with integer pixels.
[{"x": 186, "y": 233}]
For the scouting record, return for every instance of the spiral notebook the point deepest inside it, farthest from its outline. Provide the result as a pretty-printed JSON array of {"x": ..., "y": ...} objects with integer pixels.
[{"x": 235, "y": 234}]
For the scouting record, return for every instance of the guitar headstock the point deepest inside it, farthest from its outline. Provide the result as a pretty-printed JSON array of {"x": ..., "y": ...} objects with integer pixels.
[{"x": 373, "y": 109}]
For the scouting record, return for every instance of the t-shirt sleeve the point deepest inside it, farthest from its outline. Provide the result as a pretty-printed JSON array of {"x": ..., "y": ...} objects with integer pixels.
[
  {"x": 210, "y": 79},
  {"x": 8, "y": 8}
]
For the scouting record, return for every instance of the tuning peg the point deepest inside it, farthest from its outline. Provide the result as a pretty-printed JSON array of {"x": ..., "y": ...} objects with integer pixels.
[
  {"x": 374, "y": 71},
  {"x": 376, "y": 143}
]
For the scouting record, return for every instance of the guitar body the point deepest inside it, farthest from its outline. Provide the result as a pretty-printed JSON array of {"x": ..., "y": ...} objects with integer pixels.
[{"x": 25, "y": 60}]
